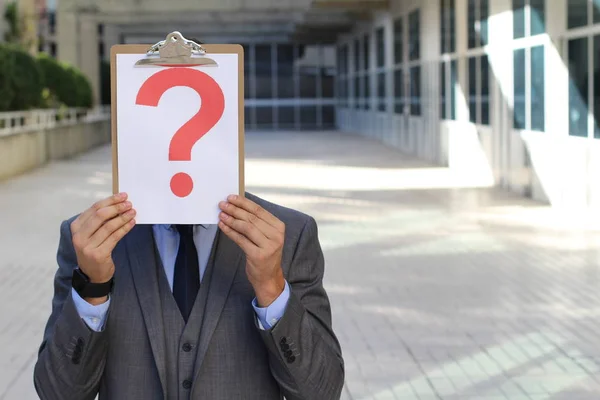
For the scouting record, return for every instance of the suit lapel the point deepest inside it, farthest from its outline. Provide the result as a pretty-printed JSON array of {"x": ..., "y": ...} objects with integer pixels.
[
  {"x": 140, "y": 248},
  {"x": 226, "y": 261}
]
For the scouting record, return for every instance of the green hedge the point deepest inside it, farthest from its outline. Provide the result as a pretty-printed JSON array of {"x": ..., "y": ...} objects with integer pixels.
[
  {"x": 21, "y": 80},
  {"x": 27, "y": 82},
  {"x": 66, "y": 84}
]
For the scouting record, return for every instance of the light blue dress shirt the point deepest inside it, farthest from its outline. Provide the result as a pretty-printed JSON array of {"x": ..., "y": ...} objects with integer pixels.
[{"x": 167, "y": 242}]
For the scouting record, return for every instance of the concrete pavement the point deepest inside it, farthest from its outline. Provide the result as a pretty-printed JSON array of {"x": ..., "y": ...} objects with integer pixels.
[{"x": 440, "y": 290}]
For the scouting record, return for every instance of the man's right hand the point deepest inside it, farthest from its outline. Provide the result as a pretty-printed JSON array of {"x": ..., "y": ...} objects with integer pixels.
[{"x": 95, "y": 234}]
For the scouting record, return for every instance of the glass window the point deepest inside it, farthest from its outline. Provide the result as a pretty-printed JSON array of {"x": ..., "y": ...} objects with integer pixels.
[
  {"x": 452, "y": 28},
  {"x": 535, "y": 25},
  {"x": 308, "y": 81},
  {"x": 485, "y": 90},
  {"x": 415, "y": 90},
  {"x": 308, "y": 117},
  {"x": 596, "y": 86},
  {"x": 399, "y": 91},
  {"x": 357, "y": 91},
  {"x": 249, "y": 117},
  {"x": 537, "y": 16},
  {"x": 518, "y": 7},
  {"x": 443, "y": 113},
  {"x": 577, "y": 13},
  {"x": 342, "y": 60},
  {"x": 285, "y": 71},
  {"x": 473, "y": 89},
  {"x": 448, "y": 26},
  {"x": 328, "y": 117},
  {"x": 327, "y": 82},
  {"x": 398, "y": 44},
  {"x": 484, "y": 10},
  {"x": 414, "y": 29},
  {"x": 380, "y": 47},
  {"x": 578, "y": 87},
  {"x": 367, "y": 92},
  {"x": 286, "y": 117},
  {"x": 341, "y": 96},
  {"x": 596, "y": 10},
  {"x": 248, "y": 78},
  {"x": 348, "y": 90},
  {"x": 477, "y": 16},
  {"x": 264, "y": 117},
  {"x": 453, "y": 85},
  {"x": 443, "y": 27},
  {"x": 381, "y": 91},
  {"x": 366, "y": 52},
  {"x": 264, "y": 71},
  {"x": 537, "y": 95},
  {"x": 519, "y": 88},
  {"x": 471, "y": 20},
  {"x": 357, "y": 66}
]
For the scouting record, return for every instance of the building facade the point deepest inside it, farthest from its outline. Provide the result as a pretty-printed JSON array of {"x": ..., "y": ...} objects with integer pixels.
[{"x": 505, "y": 92}]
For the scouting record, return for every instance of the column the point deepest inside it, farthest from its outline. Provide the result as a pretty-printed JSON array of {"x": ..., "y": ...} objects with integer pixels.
[{"x": 77, "y": 42}]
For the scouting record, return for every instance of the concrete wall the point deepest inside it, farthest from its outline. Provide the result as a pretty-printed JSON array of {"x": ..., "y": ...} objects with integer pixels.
[{"x": 22, "y": 152}]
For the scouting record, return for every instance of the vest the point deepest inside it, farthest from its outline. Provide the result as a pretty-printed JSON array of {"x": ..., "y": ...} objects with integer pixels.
[{"x": 181, "y": 339}]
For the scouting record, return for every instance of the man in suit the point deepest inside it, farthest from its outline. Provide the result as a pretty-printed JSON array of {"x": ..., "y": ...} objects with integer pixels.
[{"x": 229, "y": 311}]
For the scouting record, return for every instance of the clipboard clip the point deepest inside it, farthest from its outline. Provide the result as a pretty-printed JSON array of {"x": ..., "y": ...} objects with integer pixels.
[{"x": 176, "y": 51}]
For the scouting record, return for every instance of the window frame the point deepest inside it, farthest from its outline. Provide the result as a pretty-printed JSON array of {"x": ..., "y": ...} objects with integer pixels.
[
  {"x": 527, "y": 20},
  {"x": 589, "y": 32},
  {"x": 527, "y": 43}
]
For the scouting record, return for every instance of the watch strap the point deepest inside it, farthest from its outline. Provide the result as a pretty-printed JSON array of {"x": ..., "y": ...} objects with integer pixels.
[{"x": 86, "y": 289}]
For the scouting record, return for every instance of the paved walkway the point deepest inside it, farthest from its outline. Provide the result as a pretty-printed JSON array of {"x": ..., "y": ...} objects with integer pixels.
[{"x": 438, "y": 292}]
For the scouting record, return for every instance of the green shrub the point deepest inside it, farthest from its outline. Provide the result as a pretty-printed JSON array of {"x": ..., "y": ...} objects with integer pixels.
[
  {"x": 21, "y": 80},
  {"x": 83, "y": 88},
  {"x": 66, "y": 84}
]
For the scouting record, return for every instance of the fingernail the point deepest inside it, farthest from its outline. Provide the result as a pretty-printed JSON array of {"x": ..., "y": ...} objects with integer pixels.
[
  {"x": 130, "y": 213},
  {"x": 232, "y": 197},
  {"x": 222, "y": 204},
  {"x": 127, "y": 204},
  {"x": 122, "y": 195},
  {"x": 224, "y": 216}
]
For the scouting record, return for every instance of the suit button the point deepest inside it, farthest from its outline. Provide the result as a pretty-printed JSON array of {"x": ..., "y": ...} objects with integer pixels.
[
  {"x": 76, "y": 360},
  {"x": 187, "y": 384},
  {"x": 285, "y": 347},
  {"x": 187, "y": 347},
  {"x": 291, "y": 359},
  {"x": 80, "y": 342},
  {"x": 288, "y": 353},
  {"x": 283, "y": 340}
]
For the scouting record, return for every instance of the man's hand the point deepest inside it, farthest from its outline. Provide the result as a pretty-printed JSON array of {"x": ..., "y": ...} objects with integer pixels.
[
  {"x": 260, "y": 235},
  {"x": 95, "y": 234}
]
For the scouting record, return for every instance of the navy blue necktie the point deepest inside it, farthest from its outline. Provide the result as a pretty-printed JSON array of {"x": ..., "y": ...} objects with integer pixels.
[{"x": 186, "y": 280}]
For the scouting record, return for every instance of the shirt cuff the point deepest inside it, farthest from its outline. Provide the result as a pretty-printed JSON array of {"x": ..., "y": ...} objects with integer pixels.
[
  {"x": 93, "y": 316},
  {"x": 269, "y": 316}
]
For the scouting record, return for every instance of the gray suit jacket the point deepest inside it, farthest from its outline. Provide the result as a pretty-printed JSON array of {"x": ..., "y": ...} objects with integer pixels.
[{"x": 235, "y": 359}]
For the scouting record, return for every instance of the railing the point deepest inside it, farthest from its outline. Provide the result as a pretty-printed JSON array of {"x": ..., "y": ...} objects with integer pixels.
[{"x": 14, "y": 122}]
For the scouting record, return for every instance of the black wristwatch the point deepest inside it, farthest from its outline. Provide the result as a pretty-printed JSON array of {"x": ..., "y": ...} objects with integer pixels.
[{"x": 86, "y": 289}]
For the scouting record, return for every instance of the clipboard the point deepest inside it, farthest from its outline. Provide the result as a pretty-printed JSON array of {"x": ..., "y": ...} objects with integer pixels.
[{"x": 177, "y": 52}]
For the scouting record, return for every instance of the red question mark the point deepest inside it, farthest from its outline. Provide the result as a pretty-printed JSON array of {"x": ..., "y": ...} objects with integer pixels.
[{"x": 210, "y": 112}]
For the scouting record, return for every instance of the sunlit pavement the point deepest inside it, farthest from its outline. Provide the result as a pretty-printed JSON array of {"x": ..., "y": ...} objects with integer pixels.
[{"x": 440, "y": 290}]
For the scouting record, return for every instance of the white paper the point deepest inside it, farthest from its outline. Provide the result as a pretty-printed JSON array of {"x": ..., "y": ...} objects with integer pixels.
[{"x": 144, "y": 134}]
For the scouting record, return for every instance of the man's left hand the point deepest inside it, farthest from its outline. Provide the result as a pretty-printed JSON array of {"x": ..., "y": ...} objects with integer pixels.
[{"x": 260, "y": 235}]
